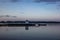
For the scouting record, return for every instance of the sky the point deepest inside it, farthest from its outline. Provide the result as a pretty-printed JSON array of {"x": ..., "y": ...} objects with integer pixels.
[{"x": 31, "y": 9}]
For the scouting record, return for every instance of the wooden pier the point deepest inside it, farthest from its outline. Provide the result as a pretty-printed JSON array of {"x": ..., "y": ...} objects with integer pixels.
[{"x": 26, "y": 25}]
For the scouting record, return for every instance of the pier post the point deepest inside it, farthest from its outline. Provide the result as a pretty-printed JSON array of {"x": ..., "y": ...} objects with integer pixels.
[
  {"x": 37, "y": 25},
  {"x": 26, "y": 28}
]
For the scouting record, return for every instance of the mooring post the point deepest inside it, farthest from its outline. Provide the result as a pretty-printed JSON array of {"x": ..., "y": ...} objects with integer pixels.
[{"x": 26, "y": 28}]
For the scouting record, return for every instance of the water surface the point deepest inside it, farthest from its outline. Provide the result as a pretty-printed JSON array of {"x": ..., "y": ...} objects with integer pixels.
[{"x": 49, "y": 32}]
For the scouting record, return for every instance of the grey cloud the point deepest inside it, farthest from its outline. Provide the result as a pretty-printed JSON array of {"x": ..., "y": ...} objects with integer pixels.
[
  {"x": 32, "y": 0},
  {"x": 6, "y": 16},
  {"x": 49, "y": 0},
  {"x": 37, "y": 0},
  {"x": 46, "y": 0},
  {"x": 14, "y": 0},
  {"x": 10, "y": 0}
]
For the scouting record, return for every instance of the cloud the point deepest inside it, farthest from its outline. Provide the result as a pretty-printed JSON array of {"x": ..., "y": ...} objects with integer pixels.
[
  {"x": 49, "y": 0},
  {"x": 10, "y": 0},
  {"x": 32, "y": 0},
  {"x": 6, "y": 16},
  {"x": 14, "y": 0},
  {"x": 46, "y": 0}
]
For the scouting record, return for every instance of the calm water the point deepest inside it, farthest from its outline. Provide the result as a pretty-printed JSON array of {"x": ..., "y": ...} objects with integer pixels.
[{"x": 49, "y": 32}]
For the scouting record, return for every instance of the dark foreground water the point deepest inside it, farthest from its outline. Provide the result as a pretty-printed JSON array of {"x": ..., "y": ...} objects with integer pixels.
[{"x": 49, "y": 32}]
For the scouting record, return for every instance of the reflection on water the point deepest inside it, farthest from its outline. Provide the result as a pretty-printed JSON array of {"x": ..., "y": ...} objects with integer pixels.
[{"x": 49, "y": 32}]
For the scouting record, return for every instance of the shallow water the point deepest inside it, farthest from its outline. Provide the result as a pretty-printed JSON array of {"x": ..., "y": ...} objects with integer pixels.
[{"x": 49, "y": 32}]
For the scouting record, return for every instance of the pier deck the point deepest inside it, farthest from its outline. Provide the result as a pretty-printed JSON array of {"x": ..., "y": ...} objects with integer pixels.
[{"x": 22, "y": 24}]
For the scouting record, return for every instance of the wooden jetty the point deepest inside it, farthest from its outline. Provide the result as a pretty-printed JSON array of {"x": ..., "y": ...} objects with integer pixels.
[{"x": 25, "y": 24}]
